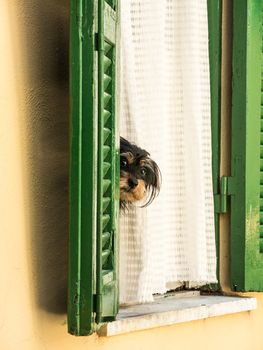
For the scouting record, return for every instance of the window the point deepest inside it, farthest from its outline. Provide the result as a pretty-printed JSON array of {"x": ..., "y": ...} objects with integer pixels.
[{"x": 93, "y": 245}]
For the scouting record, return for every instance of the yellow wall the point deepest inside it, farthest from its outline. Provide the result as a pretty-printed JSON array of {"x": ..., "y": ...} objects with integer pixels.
[{"x": 34, "y": 200}]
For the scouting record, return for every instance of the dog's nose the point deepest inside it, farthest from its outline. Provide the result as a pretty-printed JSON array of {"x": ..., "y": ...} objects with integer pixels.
[{"x": 132, "y": 182}]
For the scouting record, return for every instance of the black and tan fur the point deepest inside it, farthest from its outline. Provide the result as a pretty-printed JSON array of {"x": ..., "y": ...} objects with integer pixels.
[{"x": 140, "y": 176}]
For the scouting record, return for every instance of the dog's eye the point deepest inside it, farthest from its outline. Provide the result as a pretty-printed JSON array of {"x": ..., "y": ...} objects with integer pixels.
[
  {"x": 143, "y": 171},
  {"x": 124, "y": 163}
]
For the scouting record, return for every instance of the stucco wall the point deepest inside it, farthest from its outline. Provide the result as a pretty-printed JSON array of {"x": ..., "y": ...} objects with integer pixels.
[{"x": 34, "y": 200}]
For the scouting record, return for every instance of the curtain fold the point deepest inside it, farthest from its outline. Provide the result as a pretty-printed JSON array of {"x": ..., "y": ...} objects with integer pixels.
[{"x": 165, "y": 108}]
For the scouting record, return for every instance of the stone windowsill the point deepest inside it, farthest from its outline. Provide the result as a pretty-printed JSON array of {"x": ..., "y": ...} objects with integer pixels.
[{"x": 177, "y": 308}]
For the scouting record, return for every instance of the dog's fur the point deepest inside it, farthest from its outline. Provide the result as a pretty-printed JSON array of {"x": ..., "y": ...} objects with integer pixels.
[{"x": 140, "y": 176}]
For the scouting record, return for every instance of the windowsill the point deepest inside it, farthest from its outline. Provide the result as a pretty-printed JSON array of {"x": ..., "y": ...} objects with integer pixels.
[{"x": 177, "y": 308}]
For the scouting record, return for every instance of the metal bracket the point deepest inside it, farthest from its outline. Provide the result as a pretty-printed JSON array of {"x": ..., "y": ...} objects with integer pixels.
[{"x": 221, "y": 199}]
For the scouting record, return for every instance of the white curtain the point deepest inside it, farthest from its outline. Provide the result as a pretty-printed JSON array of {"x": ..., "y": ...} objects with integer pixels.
[{"x": 165, "y": 108}]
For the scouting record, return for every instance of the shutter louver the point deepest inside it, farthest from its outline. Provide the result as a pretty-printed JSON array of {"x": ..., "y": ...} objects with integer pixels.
[
  {"x": 111, "y": 3},
  {"x": 245, "y": 185}
]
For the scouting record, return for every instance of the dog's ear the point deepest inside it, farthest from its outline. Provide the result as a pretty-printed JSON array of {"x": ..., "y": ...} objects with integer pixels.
[
  {"x": 154, "y": 185},
  {"x": 157, "y": 176},
  {"x": 124, "y": 145}
]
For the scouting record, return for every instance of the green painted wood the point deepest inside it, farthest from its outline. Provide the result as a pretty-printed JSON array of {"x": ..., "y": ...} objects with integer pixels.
[
  {"x": 112, "y": 3},
  {"x": 94, "y": 184},
  {"x": 94, "y": 177},
  {"x": 246, "y": 259},
  {"x": 83, "y": 167},
  {"x": 108, "y": 156},
  {"x": 261, "y": 145},
  {"x": 214, "y": 8}
]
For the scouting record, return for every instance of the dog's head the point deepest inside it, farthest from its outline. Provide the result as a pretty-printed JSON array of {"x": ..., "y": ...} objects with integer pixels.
[{"x": 140, "y": 176}]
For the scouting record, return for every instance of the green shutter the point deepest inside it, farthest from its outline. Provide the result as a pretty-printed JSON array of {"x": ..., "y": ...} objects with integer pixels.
[
  {"x": 261, "y": 139},
  {"x": 108, "y": 169},
  {"x": 94, "y": 183},
  {"x": 245, "y": 185}
]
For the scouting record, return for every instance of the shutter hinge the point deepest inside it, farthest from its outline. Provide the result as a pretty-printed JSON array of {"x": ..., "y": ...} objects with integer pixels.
[{"x": 226, "y": 190}]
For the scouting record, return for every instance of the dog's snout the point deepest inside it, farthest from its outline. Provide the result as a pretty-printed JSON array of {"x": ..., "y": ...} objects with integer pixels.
[{"x": 132, "y": 182}]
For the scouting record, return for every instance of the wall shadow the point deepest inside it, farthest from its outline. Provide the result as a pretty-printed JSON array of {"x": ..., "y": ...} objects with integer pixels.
[{"x": 45, "y": 35}]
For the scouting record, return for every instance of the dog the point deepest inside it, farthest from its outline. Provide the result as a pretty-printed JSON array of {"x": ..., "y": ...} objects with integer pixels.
[{"x": 140, "y": 176}]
